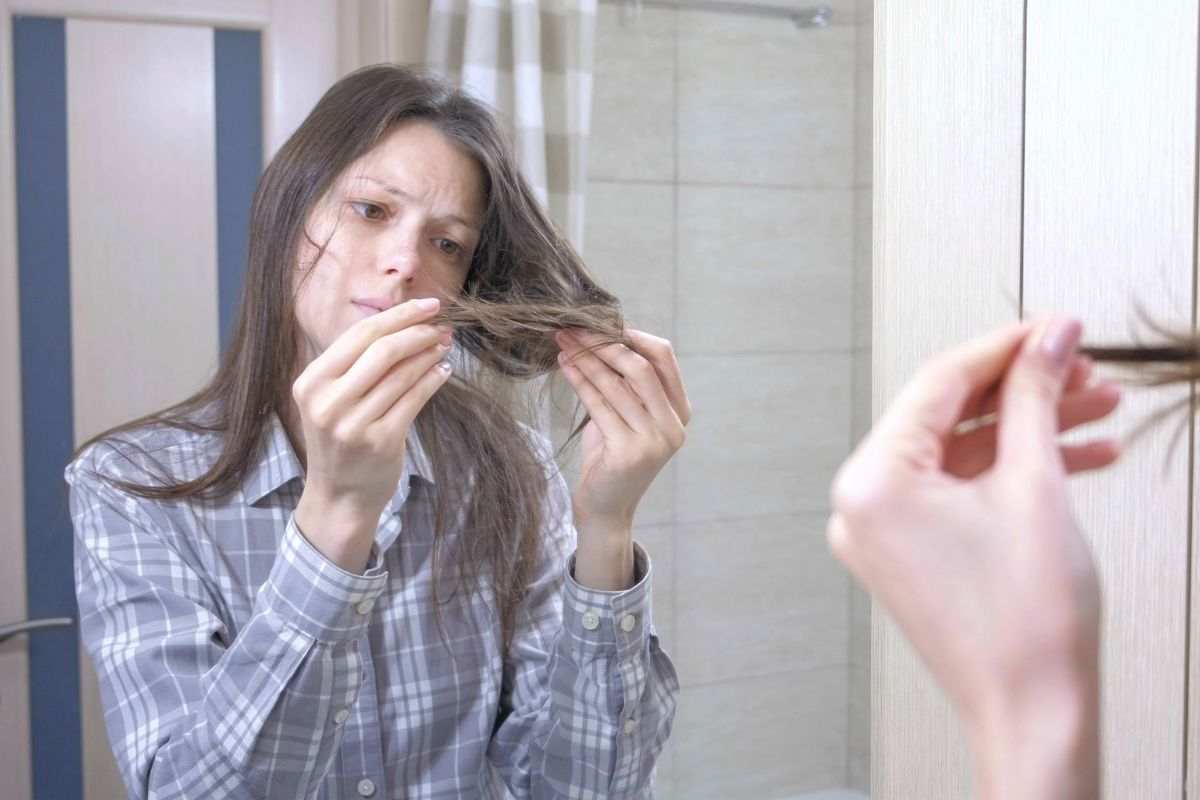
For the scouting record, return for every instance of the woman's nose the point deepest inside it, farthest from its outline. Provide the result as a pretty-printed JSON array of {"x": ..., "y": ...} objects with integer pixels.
[{"x": 403, "y": 257}]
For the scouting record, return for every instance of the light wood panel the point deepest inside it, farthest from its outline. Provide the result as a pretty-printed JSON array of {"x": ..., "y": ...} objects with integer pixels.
[
  {"x": 947, "y": 188},
  {"x": 1109, "y": 218}
]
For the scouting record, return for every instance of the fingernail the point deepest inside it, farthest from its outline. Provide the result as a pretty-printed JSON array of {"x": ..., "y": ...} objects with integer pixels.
[
  {"x": 446, "y": 338},
  {"x": 428, "y": 303},
  {"x": 1059, "y": 340},
  {"x": 445, "y": 367}
]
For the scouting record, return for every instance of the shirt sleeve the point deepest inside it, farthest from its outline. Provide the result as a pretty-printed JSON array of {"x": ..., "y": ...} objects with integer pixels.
[
  {"x": 192, "y": 710},
  {"x": 588, "y": 697}
]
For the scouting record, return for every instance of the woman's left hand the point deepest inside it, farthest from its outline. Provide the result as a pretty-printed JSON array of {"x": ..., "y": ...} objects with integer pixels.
[{"x": 639, "y": 410}]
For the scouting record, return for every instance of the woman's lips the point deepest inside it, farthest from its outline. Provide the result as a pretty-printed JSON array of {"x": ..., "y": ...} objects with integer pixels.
[{"x": 366, "y": 308}]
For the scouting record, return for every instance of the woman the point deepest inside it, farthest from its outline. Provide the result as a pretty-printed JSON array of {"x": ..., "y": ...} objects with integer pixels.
[{"x": 344, "y": 568}]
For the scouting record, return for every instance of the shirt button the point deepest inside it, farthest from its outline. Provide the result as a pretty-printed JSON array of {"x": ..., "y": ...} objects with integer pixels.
[
  {"x": 630, "y": 727},
  {"x": 628, "y": 623},
  {"x": 341, "y": 716},
  {"x": 365, "y": 606},
  {"x": 366, "y": 787},
  {"x": 591, "y": 620}
]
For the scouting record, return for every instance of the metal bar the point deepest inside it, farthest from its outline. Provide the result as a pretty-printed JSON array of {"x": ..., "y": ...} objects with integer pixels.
[
  {"x": 809, "y": 17},
  {"x": 30, "y": 625}
]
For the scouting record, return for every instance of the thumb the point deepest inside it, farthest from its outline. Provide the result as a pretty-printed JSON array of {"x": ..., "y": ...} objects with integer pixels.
[{"x": 1032, "y": 390}]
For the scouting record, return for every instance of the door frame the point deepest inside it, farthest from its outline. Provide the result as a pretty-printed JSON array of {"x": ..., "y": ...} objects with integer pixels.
[{"x": 300, "y": 61}]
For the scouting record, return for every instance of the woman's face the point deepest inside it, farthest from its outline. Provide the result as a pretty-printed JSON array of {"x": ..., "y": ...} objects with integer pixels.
[{"x": 401, "y": 222}]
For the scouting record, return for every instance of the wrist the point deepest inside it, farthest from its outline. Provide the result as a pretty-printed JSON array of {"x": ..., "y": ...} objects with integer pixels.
[
  {"x": 340, "y": 529},
  {"x": 604, "y": 557},
  {"x": 1043, "y": 742}
]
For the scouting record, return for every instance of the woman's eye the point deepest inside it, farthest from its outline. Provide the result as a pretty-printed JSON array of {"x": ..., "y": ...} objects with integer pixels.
[
  {"x": 370, "y": 211},
  {"x": 449, "y": 247}
]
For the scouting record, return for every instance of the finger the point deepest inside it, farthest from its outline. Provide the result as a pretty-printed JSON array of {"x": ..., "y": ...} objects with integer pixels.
[
  {"x": 399, "y": 418},
  {"x": 611, "y": 424},
  {"x": 1088, "y": 405},
  {"x": 915, "y": 426},
  {"x": 641, "y": 376},
  {"x": 346, "y": 349},
  {"x": 611, "y": 386},
  {"x": 1090, "y": 456},
  {"x": 1028, "y": 424},
  {"x": 661, "y": 355},
  {"x": 400, "y": 379},
  {"x": 1081, "y": 372},
  {"x": 385, "y": 353},
  {"x": 1078, "y": 408}
]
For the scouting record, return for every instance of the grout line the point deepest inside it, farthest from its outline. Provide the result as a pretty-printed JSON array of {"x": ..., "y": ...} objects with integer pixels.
[
  {"x": 752, "y": 676},
  {"x": 672, "y": 782},
  {"x": 1191, "y": 494},
  {"x": 824, "y": 351},
  {"x": 1024, "y": 128},
  {"x": 853, "y": 186}
]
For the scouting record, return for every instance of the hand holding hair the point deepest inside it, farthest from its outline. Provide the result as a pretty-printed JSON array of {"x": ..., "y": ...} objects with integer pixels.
[
  {"x": 639, "y": 410},
  {"x": 357, "y": 402},
  {"x": 983, "y": 568}
]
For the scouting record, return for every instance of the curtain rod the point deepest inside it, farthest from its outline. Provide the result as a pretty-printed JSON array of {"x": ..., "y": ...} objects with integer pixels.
[{"x": 810, "y": 17}]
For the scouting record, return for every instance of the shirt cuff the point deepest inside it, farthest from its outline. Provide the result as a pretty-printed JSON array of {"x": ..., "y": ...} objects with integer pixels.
[
  {"x": 600, "y": 623},
  {"x": 317, "y": 597}
]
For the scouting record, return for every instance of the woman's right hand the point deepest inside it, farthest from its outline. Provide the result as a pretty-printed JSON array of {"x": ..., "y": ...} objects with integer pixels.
[
  {"x": 985, "y": 570},
  {"x": 356, "y": 402}
]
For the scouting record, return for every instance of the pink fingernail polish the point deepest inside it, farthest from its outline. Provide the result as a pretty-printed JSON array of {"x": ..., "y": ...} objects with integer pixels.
[{"x": 1059, "y": 340}]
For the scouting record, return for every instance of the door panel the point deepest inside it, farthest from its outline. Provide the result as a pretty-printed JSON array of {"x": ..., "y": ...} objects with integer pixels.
[
  {"x": 150, "y": 122},
  {"x": 1110, "y": 170}
]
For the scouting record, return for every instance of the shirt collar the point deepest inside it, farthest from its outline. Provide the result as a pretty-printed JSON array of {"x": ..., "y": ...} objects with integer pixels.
[{"x": 278, "y": 464}]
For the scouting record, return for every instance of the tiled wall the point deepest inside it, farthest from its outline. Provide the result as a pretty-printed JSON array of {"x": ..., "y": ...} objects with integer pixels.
[{"x": 726, "y": 195}]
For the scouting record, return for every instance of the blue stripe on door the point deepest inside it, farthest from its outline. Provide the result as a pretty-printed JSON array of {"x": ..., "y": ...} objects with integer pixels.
[
  {"x": 238, "y": 77},
  {"x": 43, "y": 265}
]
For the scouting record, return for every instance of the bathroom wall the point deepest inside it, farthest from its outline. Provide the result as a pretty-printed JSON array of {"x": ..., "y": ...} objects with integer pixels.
[{"x": 728, "y": 184}]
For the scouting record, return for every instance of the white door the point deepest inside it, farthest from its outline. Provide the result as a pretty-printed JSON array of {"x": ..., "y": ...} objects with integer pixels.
[{"x": 131, "y": 136}]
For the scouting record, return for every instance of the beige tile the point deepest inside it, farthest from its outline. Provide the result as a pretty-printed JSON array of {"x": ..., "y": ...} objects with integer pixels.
[
  {"x": 659, "y": 543},
  {"x": 664, "y": 773},
  {"x": 764, "y": 269},
  {"x": 763, "y": 737},
  {"x": 765, "y": 103},
  {"x": 845, "y": 12},
  {"x": 633, "y": 96},
  {"x": 864, "y": 97},
  {"x": 629, "y": 244},
  {"x": 858, "y": 737},
  {"x": 767, "y": 434},
  {"x": 756, "y": 596},
  {"x": 860, "y": 400},
  {"x": 860, "y": 626},
  {"x": 657, "y": 506},
  {"x": 863, "y": 271}
]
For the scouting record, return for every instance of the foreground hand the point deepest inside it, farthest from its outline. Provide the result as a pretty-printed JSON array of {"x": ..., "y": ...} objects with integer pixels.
[{"x": 983, "y": 568}]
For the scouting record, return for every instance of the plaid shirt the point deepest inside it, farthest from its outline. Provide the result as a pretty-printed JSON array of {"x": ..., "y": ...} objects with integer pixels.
[{"x": 235, "y": 660}]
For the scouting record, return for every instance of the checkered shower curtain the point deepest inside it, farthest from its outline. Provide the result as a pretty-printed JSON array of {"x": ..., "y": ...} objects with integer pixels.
[{"x": 531, "y": 61}]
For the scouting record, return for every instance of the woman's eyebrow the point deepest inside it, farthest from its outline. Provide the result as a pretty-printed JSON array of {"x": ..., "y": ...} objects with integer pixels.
[{"x": 403, "y": 195}]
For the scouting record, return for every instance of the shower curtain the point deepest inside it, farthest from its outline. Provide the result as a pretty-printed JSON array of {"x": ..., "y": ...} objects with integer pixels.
[{"x": 531, "y": 61}]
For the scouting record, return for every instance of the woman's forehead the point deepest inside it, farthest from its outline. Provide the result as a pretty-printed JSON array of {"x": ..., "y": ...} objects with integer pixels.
[{"x": 416, "y": 162}]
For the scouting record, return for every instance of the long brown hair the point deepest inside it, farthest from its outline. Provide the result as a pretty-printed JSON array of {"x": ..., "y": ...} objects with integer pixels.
[{"x": 525, "y": 282}]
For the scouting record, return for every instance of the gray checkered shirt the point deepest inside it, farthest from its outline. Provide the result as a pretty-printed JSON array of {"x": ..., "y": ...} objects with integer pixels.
[{"x": 237, "y": 661}]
